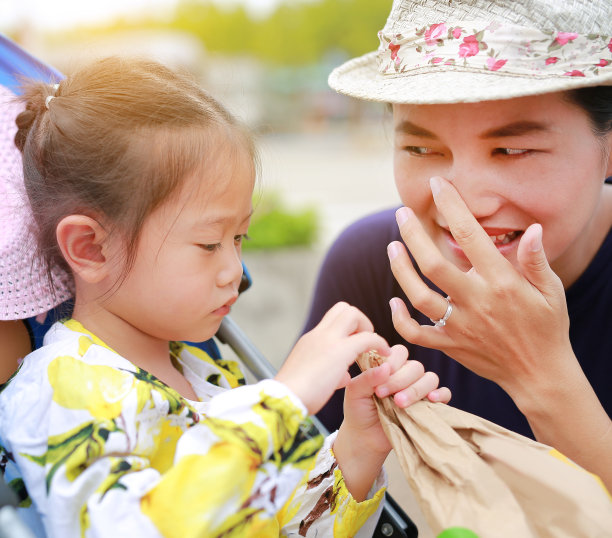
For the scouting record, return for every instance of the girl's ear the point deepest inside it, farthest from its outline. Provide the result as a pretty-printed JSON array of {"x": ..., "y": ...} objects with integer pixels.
[{"x": 81, "y": 239}]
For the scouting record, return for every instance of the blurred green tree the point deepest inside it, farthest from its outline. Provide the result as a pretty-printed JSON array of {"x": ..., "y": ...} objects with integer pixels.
[{"x": 295, "y": 33}]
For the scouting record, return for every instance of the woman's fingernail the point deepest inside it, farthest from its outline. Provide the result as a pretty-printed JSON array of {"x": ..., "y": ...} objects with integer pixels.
[
  {"x": 393, "y": 304},
  {"x": 401, "y": 215},
  {"x": 434, "y": 396},
  {"x": 435, "y": 185},
  {"x": 536, "y": 241},
  {"x": 392, "y": 250}
]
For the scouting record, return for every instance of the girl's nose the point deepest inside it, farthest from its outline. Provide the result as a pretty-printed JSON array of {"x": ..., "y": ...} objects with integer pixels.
[{"x": 231, "y": 270}]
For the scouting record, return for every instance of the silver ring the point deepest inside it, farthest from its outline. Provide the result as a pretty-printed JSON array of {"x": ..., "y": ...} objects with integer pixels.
[{"x": 449, "y": 310}]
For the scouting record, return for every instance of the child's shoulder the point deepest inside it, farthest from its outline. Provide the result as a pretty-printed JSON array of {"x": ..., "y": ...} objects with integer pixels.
[
  {"x": 70, "y": 339},
  {"x": 67, "y": 350}
]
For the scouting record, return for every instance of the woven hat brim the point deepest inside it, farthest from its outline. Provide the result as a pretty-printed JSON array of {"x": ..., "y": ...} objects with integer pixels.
[{"x": 360, "y": 78}]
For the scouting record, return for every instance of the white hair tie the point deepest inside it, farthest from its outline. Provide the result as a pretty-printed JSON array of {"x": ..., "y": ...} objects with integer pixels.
[{"x": 49, "y": 97}]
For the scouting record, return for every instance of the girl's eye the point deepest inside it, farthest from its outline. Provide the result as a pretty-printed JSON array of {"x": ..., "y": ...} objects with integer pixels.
[
  {"x": 419, "y": 150},
  {"x": 238, "y": 239},
  {"x": 210, "y": 247},
  {"x": 510, "y": 151}
]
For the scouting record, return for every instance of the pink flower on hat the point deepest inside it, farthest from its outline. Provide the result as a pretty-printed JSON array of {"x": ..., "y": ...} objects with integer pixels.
[
  {"x": 565, "y": 37},
  {"x": 552, "y": 60},
  {"x": 603, "y": 63},
  {"x": 494, "y": 65},
  {"x": 610, "y": 45},
  {"x": 393, "y": 48},
  {"x": 575, "y": 73},
  {"x": 457, "y": 32},
  {"x": 435, "y": 33},
  {"x": 469, "y": 47},
  {"x": 437, "y": 60}
]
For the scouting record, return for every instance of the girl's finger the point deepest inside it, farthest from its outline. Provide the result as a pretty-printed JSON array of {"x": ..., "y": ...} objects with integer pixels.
[
  {"x": 417, "y": 390},
  {"x": 406, "y": 376},
  {"x": 466, "y": 230},
  {"x": 420, "y": 295},
  {"x": 333, "y": 314},
  {"x": 359, "y": 343},
  {"x": 442, "y": 395},
  {"x": 352, "y": 321},
  {"x": 344, "y": 319},
  {"x": 397, "y": 357},
  {"x": 363, "y": 384}
]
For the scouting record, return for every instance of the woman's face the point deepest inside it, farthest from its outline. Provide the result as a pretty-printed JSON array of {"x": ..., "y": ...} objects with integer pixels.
[{"x": 515, "y": 162}]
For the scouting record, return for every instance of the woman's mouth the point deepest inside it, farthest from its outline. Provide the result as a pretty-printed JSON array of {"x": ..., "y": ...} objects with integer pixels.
[
  {"x": 503, "y": 239},
  {"x": 505, "y": 242}
]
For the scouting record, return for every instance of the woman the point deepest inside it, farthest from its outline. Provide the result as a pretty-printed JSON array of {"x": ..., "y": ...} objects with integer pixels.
[{"x": 509, "y": 109}]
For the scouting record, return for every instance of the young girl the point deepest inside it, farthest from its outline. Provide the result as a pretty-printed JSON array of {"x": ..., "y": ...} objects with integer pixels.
[
  {"x": 141, "y": 187},
  {"x": 508, "y": 107}
]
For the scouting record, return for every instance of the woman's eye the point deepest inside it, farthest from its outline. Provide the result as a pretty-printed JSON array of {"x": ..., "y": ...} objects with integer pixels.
[
  {"x": 419, "y": 150},
  {"x": 510, "y": 151}
]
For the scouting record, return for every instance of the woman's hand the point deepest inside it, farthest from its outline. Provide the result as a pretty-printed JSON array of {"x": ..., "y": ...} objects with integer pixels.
[
  {"x": 508, "y": 325},
  {"x": 361, "y": 446},
  {"x": 319, "y": 362}
]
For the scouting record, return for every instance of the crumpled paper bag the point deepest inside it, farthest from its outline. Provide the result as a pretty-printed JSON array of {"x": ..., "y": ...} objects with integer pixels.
[{"x": 468, "y": 472}]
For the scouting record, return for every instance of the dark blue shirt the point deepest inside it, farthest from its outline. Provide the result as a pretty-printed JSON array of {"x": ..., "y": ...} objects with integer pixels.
[{"x": 356, "y": 270}]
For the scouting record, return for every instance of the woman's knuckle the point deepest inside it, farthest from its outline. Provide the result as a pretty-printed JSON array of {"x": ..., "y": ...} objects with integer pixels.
[
  {"x": 431, "y": 265},
  {"x": 420, "y": 299}
]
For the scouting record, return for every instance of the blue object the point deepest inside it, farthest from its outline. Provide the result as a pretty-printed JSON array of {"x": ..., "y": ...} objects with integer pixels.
[{"x": 16, "y": 63}]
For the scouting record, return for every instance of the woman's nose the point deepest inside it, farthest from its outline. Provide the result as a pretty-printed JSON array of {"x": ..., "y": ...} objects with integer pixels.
[{"x": 479, "y": 187}]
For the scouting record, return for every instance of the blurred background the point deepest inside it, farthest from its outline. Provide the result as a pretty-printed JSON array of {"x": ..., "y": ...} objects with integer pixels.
[{"x": 326, "y": 159}]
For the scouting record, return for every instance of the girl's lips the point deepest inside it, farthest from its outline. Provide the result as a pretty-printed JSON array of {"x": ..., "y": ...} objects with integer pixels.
[{"x": 225, "y": 309}]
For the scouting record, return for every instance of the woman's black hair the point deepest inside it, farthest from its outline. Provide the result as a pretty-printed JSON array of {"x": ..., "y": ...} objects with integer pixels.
[{"x": 597, "y": 102}]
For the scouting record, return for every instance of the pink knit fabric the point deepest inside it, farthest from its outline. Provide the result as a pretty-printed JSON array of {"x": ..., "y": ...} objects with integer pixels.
[{"x": 24, "y": 291}]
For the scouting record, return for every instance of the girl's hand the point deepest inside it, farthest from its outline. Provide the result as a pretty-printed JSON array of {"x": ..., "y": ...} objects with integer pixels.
[
  {"x": 362, "y": 446},
  {"x": 319, "y": 362},
  {"x": 508, "y": 325}
]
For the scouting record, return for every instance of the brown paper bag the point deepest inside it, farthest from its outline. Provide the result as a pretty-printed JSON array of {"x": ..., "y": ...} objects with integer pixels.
[{"x": 468, "y": 472}]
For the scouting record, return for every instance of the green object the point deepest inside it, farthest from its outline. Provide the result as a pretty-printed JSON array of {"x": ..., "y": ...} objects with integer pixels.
[
  {"x": 457, "y": 532},
  {"x": 273, "y": 226}
]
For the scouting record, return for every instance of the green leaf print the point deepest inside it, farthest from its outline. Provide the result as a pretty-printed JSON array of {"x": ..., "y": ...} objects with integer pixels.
[{"x": 74, "y": 449}]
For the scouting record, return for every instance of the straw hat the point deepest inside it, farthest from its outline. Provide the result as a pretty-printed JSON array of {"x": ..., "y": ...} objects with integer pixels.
[
  {"x": 451, "y": 51},
  {"x": 24, "y": 290}
]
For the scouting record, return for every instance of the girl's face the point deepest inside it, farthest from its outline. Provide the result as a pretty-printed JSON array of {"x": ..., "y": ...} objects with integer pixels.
[
  {"x": 515, "y": 162},
  {"x": 188, "y": 262}
]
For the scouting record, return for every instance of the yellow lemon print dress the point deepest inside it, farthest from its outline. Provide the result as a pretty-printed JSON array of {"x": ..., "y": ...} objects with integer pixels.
[{"x": 95, "y": 446}]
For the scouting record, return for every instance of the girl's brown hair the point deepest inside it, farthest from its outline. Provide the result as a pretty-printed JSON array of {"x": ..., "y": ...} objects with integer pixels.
[{"x": 117, "y": 139}]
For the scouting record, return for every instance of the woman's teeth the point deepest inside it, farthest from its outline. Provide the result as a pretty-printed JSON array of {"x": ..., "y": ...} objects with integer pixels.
[{"x": 503, "y": 238}]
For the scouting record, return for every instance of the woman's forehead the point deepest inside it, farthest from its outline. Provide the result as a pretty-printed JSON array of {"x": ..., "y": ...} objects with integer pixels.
[{"x": 541, "y": 111}]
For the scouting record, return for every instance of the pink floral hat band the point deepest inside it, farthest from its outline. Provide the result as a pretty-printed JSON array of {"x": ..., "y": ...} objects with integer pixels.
[{"x": 492, "y": 46}]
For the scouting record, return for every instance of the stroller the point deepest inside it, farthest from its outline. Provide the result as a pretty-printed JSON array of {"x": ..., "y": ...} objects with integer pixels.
[{"x": 16, "y": 63}]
